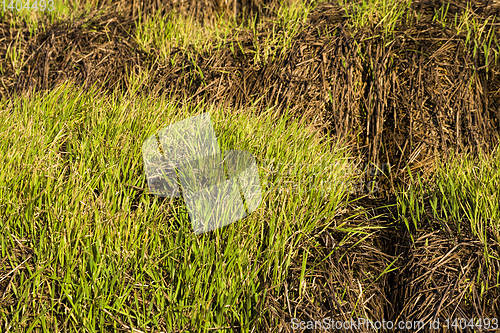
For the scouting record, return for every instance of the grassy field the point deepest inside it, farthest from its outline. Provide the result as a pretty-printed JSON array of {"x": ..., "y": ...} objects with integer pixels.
[
  {"x": 73, "y": 182},
  {"x": 85, "y": 247}
]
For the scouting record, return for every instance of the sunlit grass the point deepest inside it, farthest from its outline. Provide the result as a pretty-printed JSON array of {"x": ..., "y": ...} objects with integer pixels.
[
  {"x": 462, "y": 191},
  {"x": 162, "y": 35},
  {"x": 385, "y": 14},
  {"x": 72, "y": 167},
  {"x": 70, "y": 161}
]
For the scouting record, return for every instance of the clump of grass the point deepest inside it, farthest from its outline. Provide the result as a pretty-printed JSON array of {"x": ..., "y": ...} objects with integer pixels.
[
  {"x": 288, "y": 23},
  {"x": 107, "y": 256},
  {"x": 379, "y": 13},
  {"x": 462, "y": 191},
  {"x": 162, "y": 35}
]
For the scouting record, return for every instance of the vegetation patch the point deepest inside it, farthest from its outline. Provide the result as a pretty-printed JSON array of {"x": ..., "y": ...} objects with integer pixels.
[{"x": 393, "y": 105}]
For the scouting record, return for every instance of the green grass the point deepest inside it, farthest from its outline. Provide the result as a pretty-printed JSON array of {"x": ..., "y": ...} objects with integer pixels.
[
  {"x": 161, "y": 35},
  {"x": 67, "y": 160},
  {"x": 379, "y": 13},
  {"x": 462, "y": 191},
  {"x": 108, "y": 256}
]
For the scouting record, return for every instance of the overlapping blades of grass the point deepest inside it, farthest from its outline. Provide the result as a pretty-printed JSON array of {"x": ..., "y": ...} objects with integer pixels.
[{"x": 85, "y": 245}]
